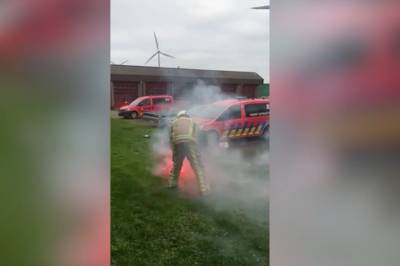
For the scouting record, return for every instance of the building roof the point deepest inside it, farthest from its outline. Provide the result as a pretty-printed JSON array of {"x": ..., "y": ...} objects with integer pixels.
[{"x": 126, "y": 72}]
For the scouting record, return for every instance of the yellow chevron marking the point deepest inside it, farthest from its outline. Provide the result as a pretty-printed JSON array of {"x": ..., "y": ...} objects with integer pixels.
[
  {"x": 252, "y": 131},
  {"x": 232, "y": 134},
  {"x": 246, "y": 131},
  {"x": 258, "y": 132},
  {"x": 225, "y": 133},
  {"x": 239, "y": 132}
]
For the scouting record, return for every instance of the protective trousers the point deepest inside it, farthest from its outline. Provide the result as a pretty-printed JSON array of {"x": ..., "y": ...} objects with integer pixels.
[{"x": 189, "y": 151}]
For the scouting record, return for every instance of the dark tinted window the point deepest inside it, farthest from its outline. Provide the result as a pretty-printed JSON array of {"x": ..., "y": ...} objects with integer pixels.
[
  {"x": 144, "y": 102},
  {"x": 161, "y": 100},
  {"x": 232, "y": 113},
  {"x": 259, "y": 109}
]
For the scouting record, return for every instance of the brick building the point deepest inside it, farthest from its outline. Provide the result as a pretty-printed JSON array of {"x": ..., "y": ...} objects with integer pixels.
[{"x": 130, "y": 82}]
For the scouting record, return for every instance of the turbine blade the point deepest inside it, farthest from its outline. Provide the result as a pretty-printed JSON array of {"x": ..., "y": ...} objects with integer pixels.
[
  {"x": 155, "y": 38},
  {"x": 123, "y": 62},
  {"x": 151, "y": 58},
  {"x": 261, "y": 7},
  {"x": 167, "y": 55}
]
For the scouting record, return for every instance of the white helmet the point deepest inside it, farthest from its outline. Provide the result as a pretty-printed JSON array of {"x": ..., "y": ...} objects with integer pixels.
[{"x": 182, "y": 113}]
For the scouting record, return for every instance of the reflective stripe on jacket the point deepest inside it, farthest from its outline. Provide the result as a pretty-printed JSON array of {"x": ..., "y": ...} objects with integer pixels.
[{"x": 183, "y": 129}]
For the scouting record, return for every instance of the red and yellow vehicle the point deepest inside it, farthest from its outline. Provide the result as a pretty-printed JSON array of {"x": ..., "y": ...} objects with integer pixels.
[
  {"x": 152, "y": 103},
  {"x": 233, "y": 119}
]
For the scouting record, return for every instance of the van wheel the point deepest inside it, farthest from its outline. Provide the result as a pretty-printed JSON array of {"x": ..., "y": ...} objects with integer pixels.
[{"x": 134, "y": 115}]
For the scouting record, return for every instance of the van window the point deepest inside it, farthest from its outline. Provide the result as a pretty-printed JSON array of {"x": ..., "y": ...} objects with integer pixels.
[
  {"x": 254, "y": 110},
  {"x": 233, "y": 112},
  {"x": 145, "y": 102},
  {"x": 206, "y": 111},
  {"x": 161, "y": 101}
]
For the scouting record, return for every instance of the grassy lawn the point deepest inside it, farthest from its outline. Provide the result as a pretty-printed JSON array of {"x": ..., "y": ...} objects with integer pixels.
[{"x": 154, "y": 226}]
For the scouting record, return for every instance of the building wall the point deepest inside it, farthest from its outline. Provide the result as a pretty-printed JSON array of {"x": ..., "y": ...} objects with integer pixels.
[
  {"x": 125, "y": 92},
  {"x": 156, "y": 88},
  {"x": 179, "y": 89},
  {"x": 264, "y": 90},
  {"x": 250, "y": 91},
  {"x": 229, "y": 88}
]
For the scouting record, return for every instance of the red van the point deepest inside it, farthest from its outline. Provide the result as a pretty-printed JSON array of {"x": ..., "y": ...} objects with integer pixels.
[
  {"x": 152, "y": 103},
  {"x": 233, "y": 119}
]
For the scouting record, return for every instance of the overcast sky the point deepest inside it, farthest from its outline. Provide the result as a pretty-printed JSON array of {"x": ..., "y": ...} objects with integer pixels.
[{"x": 203, "y": 34}]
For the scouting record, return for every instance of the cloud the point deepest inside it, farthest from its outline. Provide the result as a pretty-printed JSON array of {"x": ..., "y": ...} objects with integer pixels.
[{"x": 219, "y": 34}]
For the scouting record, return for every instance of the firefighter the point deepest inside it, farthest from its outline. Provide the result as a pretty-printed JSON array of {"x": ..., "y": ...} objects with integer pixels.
[{"x": 183, "y": 140}]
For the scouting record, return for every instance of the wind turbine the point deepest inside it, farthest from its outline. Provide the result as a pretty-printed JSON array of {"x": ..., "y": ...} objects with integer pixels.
[{"x": 158, "y": 53}]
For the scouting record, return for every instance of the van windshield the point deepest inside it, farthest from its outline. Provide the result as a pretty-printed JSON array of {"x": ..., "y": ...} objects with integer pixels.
[
  {"x": 207, "y": 111},
  {"x": 137, "y": 101}
]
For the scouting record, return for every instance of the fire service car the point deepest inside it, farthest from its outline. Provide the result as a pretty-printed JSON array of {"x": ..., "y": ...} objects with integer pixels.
[
  {"x": 232, "y": 119},
  {"x": 153, "y": 103}
]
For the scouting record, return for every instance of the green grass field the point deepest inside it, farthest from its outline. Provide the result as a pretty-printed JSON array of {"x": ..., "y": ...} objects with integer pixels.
[{"x": 154, "y": 226}]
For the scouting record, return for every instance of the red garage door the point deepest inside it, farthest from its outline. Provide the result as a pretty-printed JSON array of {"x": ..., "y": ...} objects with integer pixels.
[
  {"x": 156, "y": 88},
  {"x": 249, "y": 91},
  {"x": 229, "y": 88},
  {"x": 124, "y": 93}
]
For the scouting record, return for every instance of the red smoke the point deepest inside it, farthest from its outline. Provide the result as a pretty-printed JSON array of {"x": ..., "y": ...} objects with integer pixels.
[{"x": 187, "y": 180}]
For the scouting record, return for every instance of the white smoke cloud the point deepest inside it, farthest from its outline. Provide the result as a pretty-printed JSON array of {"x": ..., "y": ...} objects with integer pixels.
[{"x": 237, "y": 173}]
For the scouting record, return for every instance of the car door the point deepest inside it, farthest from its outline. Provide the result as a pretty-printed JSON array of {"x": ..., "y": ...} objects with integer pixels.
[
  {"x": 257, "y": 118},
  {"x": 231, "y": 122},
  {"x": 159, "y": 104},
  {"x": 146, "y": 105}
]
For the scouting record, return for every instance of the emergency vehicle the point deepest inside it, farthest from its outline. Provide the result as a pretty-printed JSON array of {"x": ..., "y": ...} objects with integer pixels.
[
  {"x": 152, "y": 103},
  {"x": 232, "y": 119}
]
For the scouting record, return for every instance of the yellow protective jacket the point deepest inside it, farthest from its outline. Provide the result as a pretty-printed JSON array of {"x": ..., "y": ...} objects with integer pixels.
[{"x": 183, "y": 130}]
